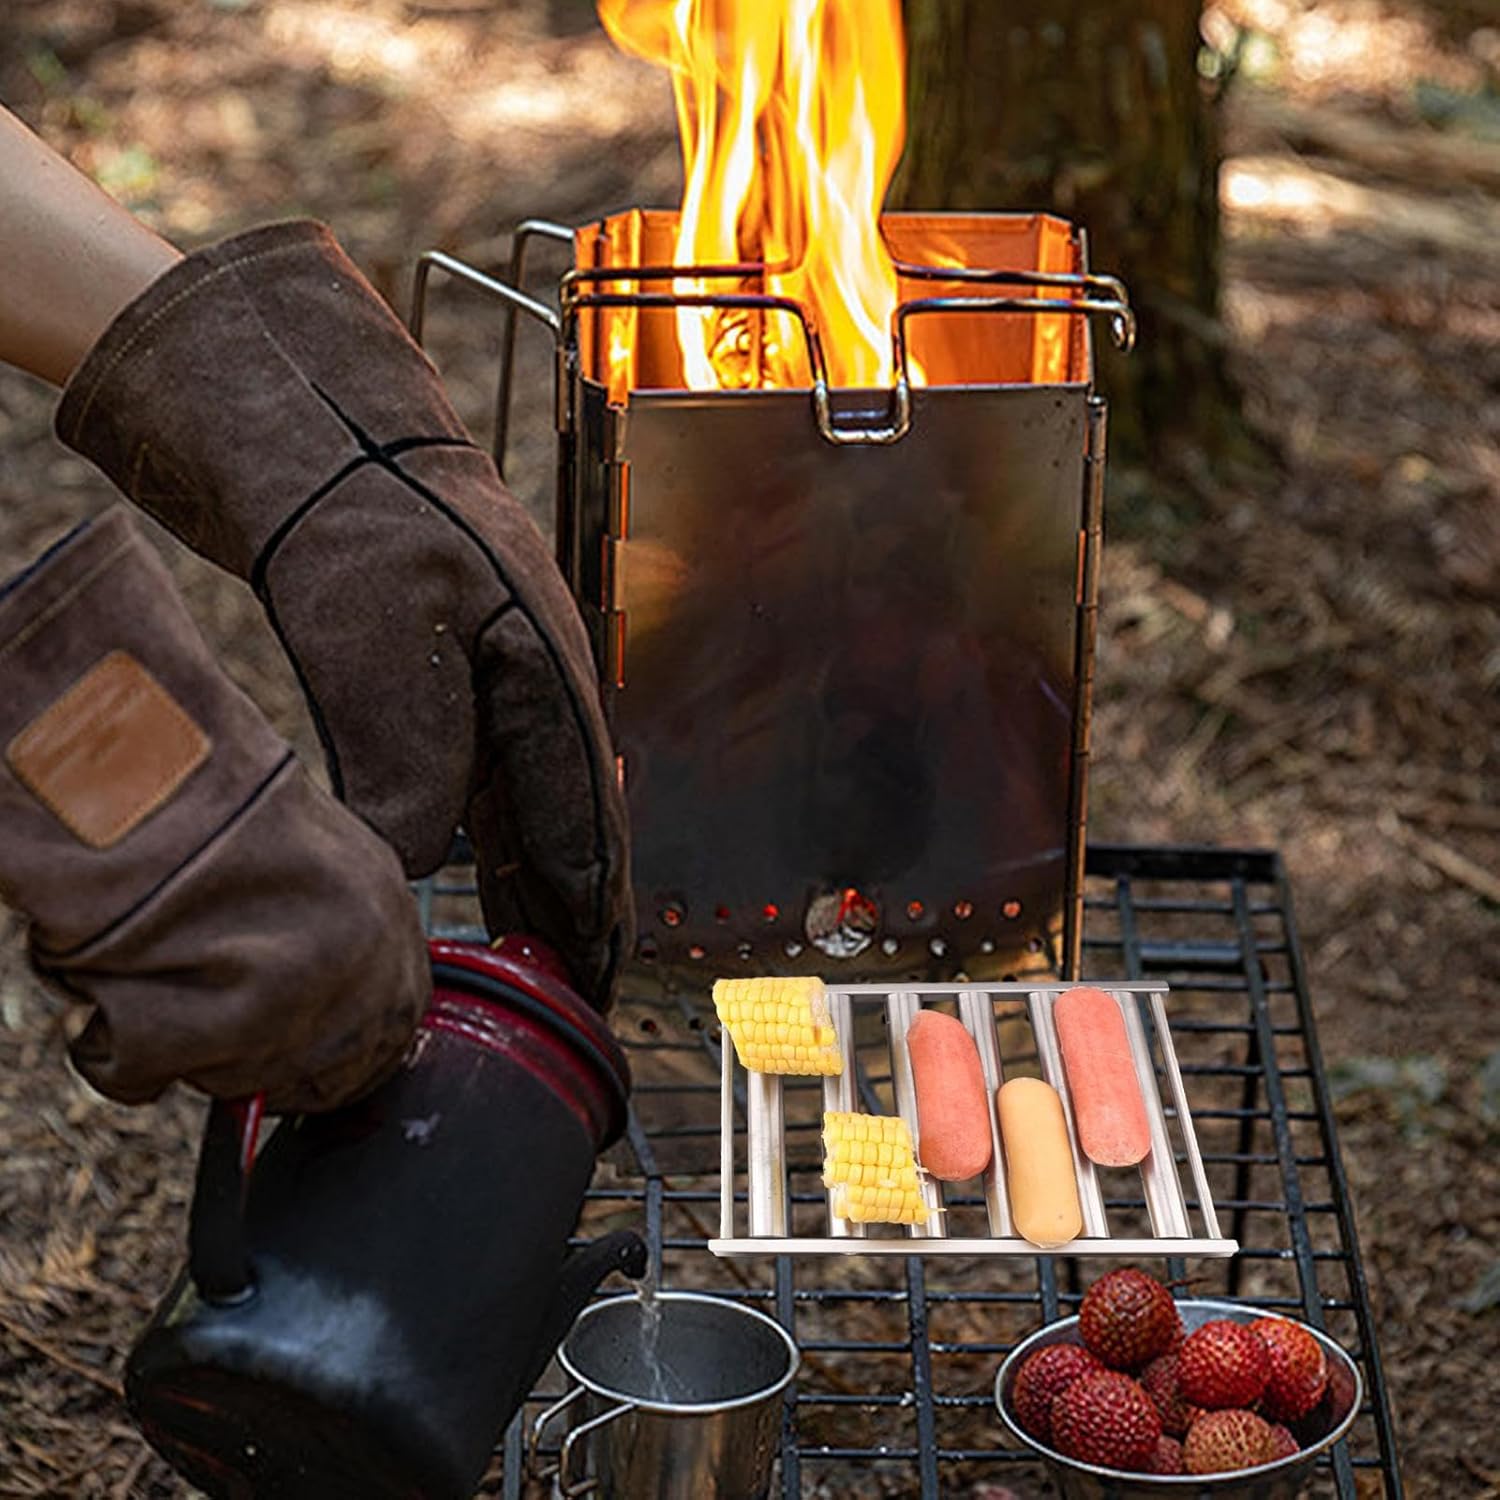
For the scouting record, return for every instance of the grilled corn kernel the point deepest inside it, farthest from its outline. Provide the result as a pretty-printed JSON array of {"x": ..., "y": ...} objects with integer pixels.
[
  {"x": 870, "y": 1169},
  {"x": 779, "y": 1025}
]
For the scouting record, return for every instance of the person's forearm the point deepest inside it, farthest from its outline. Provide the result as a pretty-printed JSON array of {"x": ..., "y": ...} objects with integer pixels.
[{"x": 70, "y": 257}]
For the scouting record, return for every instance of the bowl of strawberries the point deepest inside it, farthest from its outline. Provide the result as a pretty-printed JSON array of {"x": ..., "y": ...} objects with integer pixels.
[{"x": 1144, "y": 1395}]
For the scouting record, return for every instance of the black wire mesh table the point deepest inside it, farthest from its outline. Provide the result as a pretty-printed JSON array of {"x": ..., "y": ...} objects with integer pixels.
[{"x": 895, "y": 1392}]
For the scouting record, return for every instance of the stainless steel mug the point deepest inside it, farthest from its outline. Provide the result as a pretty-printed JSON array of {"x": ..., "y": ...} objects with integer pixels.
[{"x": 676, "y": 1401}]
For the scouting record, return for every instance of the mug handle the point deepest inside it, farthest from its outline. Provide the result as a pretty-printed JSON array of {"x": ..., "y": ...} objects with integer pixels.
[
  {"x": 534, "y": 1437},
  {"x": 567, "y": 1485}
]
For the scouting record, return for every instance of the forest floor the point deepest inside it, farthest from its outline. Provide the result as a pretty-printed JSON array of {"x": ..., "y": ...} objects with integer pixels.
[{"x": 1303, "y": 656}]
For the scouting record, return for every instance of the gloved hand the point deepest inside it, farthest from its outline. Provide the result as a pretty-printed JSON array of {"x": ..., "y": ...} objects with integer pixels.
[
  {"x": 229, "y": 923},
  {"x": 263, "y": 403}
]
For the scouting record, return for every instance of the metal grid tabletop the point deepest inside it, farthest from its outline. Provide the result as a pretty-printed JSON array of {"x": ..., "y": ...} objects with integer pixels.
[{"x": 895, "y": 1392}]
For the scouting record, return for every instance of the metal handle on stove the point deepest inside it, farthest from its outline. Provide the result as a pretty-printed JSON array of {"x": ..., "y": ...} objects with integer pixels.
[
  {"x": 528, "y": 230},
  {"x": 834, "y": 431},
  {"x": 1104, "y": 295},
  {"x": 1101, "y": 293},
  {"x": 1121, "y": 316},
  {"x": 513, "y": 298}
]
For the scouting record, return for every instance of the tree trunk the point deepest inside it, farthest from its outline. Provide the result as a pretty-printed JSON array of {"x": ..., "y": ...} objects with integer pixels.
[{"x": 1093, "y": 109}]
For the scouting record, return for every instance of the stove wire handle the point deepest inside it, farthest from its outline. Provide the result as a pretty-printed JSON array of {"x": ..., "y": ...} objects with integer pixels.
[
  {"x": 1101, "y": 293},
  {"x": 511, "y": 295},
  {"x": 1092, "y": 294},
  {"x": 840, "y": 433}
]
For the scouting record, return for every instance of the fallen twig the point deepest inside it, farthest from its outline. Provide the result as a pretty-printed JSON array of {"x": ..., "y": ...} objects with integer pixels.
[
  {"x": 127, "y": 1480},
  {"x": 1446, "y": 859},
  {"x": 60, "y": 1357},
  {"x": 1485, "y": 1476}
]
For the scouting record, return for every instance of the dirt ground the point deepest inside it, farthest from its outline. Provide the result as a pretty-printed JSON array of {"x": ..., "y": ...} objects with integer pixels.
[{"x": 1304, "y": 655}]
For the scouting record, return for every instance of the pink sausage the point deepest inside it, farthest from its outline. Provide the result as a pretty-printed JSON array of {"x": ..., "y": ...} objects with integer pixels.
[
  {"x": 953, "y": 1107},
  {"x": 1108, "y": 1110}
]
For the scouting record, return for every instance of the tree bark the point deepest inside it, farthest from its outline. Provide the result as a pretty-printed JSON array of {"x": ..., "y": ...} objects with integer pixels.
[{"x": 1095, "y": 110}]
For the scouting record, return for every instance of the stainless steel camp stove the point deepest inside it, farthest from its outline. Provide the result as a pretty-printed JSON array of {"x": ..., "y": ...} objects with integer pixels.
[
  {"x": 846, "y": 637},
  {"x": 900, "y": 1390}
]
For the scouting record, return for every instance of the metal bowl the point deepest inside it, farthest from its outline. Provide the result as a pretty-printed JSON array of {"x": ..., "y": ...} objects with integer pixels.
[{"x": 1328, "y": 1421}]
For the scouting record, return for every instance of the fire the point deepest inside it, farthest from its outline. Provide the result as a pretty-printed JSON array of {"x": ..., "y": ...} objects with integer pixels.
[{"x": 792, "y": 118}]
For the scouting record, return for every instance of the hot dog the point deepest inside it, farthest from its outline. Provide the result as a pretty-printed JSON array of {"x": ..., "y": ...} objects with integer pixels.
[
  {"x": 953, "y": 1107},
  {"x": 1039, "y": 1163},
  {"x": 1107, "y": 1105}
]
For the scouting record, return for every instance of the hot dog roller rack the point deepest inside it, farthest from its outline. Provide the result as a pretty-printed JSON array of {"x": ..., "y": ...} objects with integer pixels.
[{"x": 871, "y": 1022}]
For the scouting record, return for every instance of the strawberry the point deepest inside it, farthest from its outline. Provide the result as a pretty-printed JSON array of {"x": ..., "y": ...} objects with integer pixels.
[
  {"x": 1223, "y": 1364},
  {"x": 1299, "y": 1369},
  {"x": 1167, "y": 1459},
  {"x": 1106, "y": 1418},
  {"x": 1128, "y": 1318},
  {"x": 1159, "y": 1381},
  {"x": 1221, "y": 1441},
  {"x": 1283, "y": 1444},
  {"x": 1039, "y": 1380}
]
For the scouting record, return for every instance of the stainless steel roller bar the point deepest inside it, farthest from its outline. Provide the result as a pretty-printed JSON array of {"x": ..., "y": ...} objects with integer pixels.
[
  {"x": 976, "y": 1009},
  {"x": 1164, "y": 1201},
  {"x": 1039, "y": 1007}
]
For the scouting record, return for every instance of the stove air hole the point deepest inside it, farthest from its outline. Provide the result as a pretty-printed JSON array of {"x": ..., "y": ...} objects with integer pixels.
[
  {"x": 695, "y": 1023},
  {"x": 1011, "y": 910},
  {"x": 646, "y": 950},
  {"x": 650, "y": 1026},
  {"x": 671, "y": 914},
  {"x": 963, "y": 910},
  {"x": 937, "y": 947},
  {"x": 890, "y": 947},
  {"x": 1033, "y": 945},
  {"x": 721, "y": 914},
  {"x": 744, "y": 950},
  {"x": 792, "y": 948},
  {"x": 770, "y": 912},
  {"x": 697, "y": 951},
  {"x": 915, "y": 911},
  {"x": 987, "y": 945}
]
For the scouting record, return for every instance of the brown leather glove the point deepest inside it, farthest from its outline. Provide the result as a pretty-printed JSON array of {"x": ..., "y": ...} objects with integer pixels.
[
  {"x": 264, "y": 404},
  {"x": 230, "y": 923}
]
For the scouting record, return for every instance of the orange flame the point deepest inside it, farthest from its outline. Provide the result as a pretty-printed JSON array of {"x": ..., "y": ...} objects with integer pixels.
[{"x": 792, "y": 118}]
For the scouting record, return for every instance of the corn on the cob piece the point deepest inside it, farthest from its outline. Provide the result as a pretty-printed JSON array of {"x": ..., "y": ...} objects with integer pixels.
[
  {"x": 779, "y": 1025},
  {"x": 870, "y": 1169}
]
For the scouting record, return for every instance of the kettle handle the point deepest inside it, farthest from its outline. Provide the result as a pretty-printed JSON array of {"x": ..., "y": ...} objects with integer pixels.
[{"x": 218, "y": 1258}]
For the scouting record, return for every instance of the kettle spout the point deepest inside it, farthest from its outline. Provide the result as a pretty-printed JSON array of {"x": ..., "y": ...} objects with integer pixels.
[{"x": 623, "y": 1251}]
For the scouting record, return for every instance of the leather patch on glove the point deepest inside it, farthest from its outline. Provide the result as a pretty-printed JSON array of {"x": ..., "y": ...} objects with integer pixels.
[{"x": 109, "y": 752}]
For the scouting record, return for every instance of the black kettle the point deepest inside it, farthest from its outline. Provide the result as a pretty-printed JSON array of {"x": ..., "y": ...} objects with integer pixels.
[{"x": 365, "y": 1308}]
